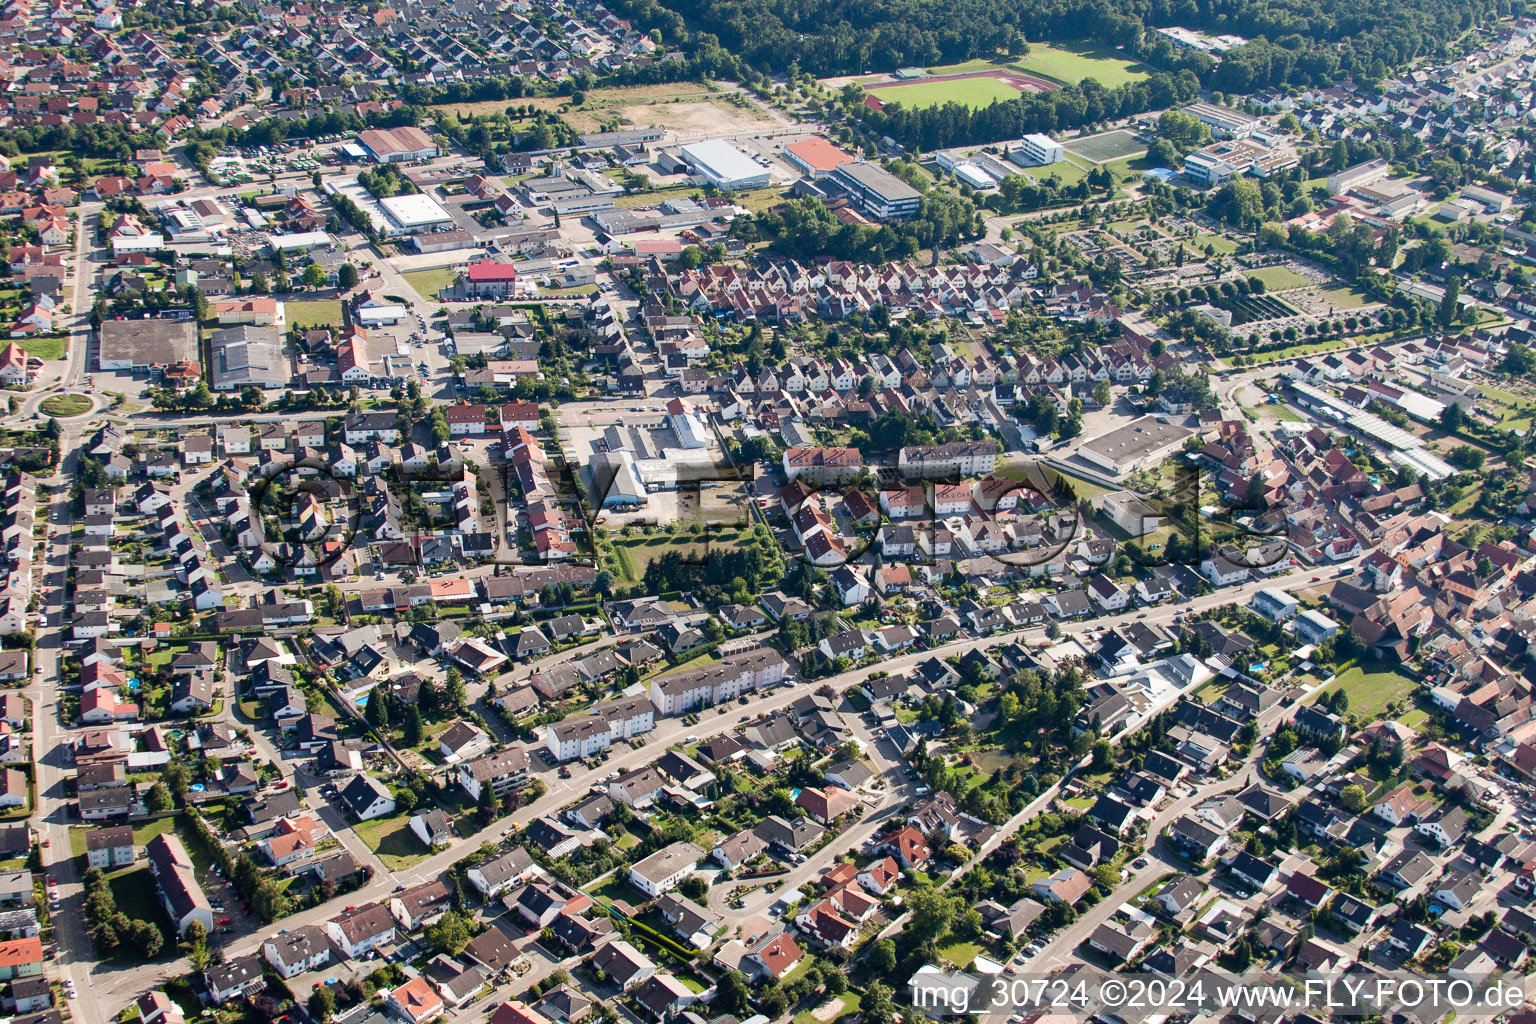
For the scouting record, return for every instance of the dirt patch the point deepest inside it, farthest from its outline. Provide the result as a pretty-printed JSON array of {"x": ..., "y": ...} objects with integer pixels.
[
  {"x": 683, "y": 107},
  {"x": 828, "y": 1010}
]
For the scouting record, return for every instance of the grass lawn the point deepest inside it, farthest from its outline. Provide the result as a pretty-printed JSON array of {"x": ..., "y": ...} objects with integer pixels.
[
  {"x": 1414, "y": 718},
  {"x": 960, "y": 953},
  {"x": 635, "y": 553},
  {"x": 1083, "y": 488},
  {"x": 314, "y": 313},
  {"x": 1068, "y": 172},
  {"x": 66, "y": 405},
  {"x": 1279, "y": 278},
  {"x": 1343, "y": 298},
  {"x": 616, "y": 888},
  {"x": 134, "y": 891},
  {"x": 393, "y": 840},
  {"x": 147, "y": 831},
  {"x": 428, "y": 282},
  {"x": 1371, "y": 688},
  {"x": 1220, "y": 244},
  {"x": 969, "y": 92},
  {"x": 1305, "y": 348},
  {"x": 1468, "y": 500},
  {"x": 50, "y": 347}
]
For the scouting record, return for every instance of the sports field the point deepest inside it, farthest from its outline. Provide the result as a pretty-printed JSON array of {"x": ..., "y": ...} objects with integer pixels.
[
  {"x": 1105, "y": 147},
  {"x": 975, "y": 92},
  {"x": 1107, "y": 67},
  {"x": 1066, "y": 64}
]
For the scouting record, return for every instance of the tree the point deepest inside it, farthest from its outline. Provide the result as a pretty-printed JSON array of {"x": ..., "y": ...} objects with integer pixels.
[
  {"x": 882, "y": 957},
  {"x": 732, "y": 995},
  {"x": 489, "y": 803},
  {"x": 1449, "y": 305},
  {"x": 412, "y": 726},
  {"x": 1353, "y": 798},
  {"x": 178, "y": 777},
  {"x": 602, "y": 583},
  {"x": 314, "y": 275},
  {"x": 159, "y": 798},
  {"x": 1452, "y": 418},
  {"x": 194, "y": 944},
  {"x": 269, "y": 900},
  {"x": 147, "y": 938},
  {"x": 933, "y": 914},
  {"x": 376, "y": 711},
  {"x": 454, "y": 689},
  {"x": 695, "y": 888},
  {"x": 876, "y": 1005},
  {"x": 450, "y": 934},
  {"x": 322, "y": 1003},
  {"x": 346, "y": 277}
]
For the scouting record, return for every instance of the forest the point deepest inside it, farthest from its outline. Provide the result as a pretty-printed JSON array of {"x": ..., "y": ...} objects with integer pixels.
[
  {"x": 1310, "y": 41},
  {"x": 1292, "y": 42}
]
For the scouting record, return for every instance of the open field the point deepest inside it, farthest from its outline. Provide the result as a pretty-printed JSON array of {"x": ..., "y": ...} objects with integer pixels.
[
  {"x": 427, "y": 283},
  {"x": 1371, "y": 689},
  {"x": 1280, "y": 278},
  {"x": 681, "y": 106},
  {"x": 1105, "y": 147},
  {"x": 50, "y": 347},
  {"x": 314, "y": 313},
  {"x": 981, "y": 91}
]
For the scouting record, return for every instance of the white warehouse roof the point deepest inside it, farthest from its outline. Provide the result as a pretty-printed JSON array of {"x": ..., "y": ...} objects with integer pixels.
[
  {"x": 722, "y": 161},
  {"x": 414, "y": 210}
]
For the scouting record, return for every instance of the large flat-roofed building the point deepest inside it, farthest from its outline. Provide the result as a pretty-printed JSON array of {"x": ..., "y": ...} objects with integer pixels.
[
  {"x": 141, "y": 344},
  {"x": 1493, "y": 202},
  {"x": 1221, "y": 160},
  {"x": 725, "y": 165},
  {"x": 1039, "y": 149},
  {"x": 248, "y": 356},
  {"x": 398, "y": 145},
  {"x": 1224, "y": 122},
  {"x": 1138, "y": 444},
  {"x": 414, "y": 214},
  {"x": 816, "y": 156},
  {"x": 1359, "y": 175},
  {"x": 877, "y": 191}
]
